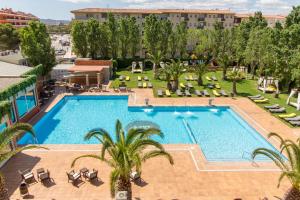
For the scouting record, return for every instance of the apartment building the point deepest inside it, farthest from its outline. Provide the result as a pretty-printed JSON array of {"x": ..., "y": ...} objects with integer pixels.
[
  {"x": 199, "y": 19},
  {"x": 271, "y": 19},
  {"x": 16, "y": 18}
]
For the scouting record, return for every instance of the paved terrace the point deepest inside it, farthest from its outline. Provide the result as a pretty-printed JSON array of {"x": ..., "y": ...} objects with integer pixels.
[{"x": 192, "y": 177}]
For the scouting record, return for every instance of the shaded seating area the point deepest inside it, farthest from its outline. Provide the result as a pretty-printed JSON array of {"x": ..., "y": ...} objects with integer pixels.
[{"x": 27, "y": 176}]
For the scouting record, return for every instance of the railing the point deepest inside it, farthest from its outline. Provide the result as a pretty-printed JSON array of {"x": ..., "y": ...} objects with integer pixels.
[{"x": 189, "y": 130}]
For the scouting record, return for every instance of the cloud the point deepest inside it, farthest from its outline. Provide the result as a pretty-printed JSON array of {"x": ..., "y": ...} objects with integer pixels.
[{"x": 78, "y": 1}]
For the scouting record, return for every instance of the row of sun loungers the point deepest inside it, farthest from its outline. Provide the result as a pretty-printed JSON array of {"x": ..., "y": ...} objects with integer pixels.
[
  {"x": 190, "y": 78},
  {"x": 127, "y": 78},
  {"x": 291, "y": 118},
  {"x": 187, "y": 93},
  {"x": 145, "y": 85}
]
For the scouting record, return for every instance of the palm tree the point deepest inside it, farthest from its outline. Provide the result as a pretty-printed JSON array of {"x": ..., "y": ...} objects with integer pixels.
[
  {"x": 166, "y": 74},
  {"x": 126, "y": 153},
  {"x": 235, "y": 76},
  {"x": 290, "y": 167},
  {"x": 155, "y": 59},
  {"x": 200, "y": 69},
  {"x": 6, "y": 137},
  {"x": 177, "y": 69}
]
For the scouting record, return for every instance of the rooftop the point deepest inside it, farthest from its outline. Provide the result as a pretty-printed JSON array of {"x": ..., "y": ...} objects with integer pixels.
[
  {"x": 150, "y": 11},
  {"x": 9, "y": 11},
  {"x": 12, "y": 70},
  {"x": 14, "y": 58},
  {"x": 63, "y": 66},
  {"x": 6, "y": 82},
  {"x": 247, "y": 15}
]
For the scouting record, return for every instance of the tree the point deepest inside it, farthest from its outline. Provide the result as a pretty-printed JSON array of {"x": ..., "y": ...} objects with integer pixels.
[
  {"x": 79, "y": 40},
  {"x": 235, "y": 76},
  {"x": 165, "y": 32},
  {"x": 257, "y": 21},
  {"x": 176, "y": 70},
  {"x": 151, "y": 33},
  {"x": 155, "y": 59},
  {"x": 181, "y": 32},
  {"x": 293, "y": 17},
  {"x": 166, "y": 74},
  {"x": 126, "y": 153},
  {"x": 290, "y": 167},
  {"x": 173, "y": 44},
  {"x": 200, "y": 70},
  {"x": 36, "y": 46},
  {"x": 93, "y": 35},
  {"x": 9, "y": 38},
  {"x": 104, "y": 40},
  {"x": 193, "y": 39},
  {"x": 134, "y": 37},
  {"x": 6, "y": 137},
  {"x": 113, "y": 27},
  {"x": 124, "y": 36}
]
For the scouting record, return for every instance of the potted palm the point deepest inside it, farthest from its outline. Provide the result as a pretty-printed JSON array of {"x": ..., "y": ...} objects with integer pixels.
[
  {"x": 126, "y": 153},
  {"x": 290, "y": 167}
]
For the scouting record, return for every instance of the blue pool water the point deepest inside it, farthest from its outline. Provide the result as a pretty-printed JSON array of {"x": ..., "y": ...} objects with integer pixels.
[{"x": 221, "y": 134}]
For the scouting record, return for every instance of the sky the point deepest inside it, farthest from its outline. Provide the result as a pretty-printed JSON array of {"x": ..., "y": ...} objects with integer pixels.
[{"x": 60, "y": 9}]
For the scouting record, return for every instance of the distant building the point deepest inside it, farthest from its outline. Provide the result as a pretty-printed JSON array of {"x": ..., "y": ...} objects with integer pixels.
[
  {"x": 271, "y": 19},
  {"x": 198, "y": 19},
  {"x": 16, "y": 18}
]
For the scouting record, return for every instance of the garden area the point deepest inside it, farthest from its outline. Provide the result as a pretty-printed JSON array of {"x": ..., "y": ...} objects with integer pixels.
[{"x": 246, "y": 87}]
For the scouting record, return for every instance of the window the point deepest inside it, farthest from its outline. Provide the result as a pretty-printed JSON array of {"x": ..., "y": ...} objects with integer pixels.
[{"x": 25, "y": 103}]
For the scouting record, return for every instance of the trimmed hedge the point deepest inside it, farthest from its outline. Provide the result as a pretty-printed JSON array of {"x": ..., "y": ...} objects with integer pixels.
[{"x": 37, "y": 70}]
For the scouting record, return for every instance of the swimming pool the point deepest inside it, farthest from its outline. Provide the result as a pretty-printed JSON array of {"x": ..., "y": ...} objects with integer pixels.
[{"x": 221, "y": 134}]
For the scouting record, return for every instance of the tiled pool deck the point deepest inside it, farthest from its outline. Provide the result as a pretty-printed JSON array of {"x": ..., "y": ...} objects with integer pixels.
[{"x": 192, "y": 177}]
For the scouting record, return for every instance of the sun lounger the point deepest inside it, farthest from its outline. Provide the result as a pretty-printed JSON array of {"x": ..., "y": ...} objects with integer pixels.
[
  {"x": 210, "y": 86},
  {"x": 205, "y": 93},
  {"x": 287, "y": 115},
  {"x": 195, "y": 78},
  {"x": 274, "y": 106},
  {"x": 150, "y": 85},
  {"x": 223, "y": 93},
  {"x": 140, "y": 84},
  {"x": 198, "y": 93},
  {"x": 258, "y": 98},
  {"x": 139, "y": 78},
  {"x": 187, "y": 93},
  {"x": 127, "y": 78},
  {"x": 208, "y": 78},
  {"x": 191, "y": 78},
  {"x": 297, "y": 118},
  {"x": 255, "y": 96},
  {"x": 168, "y": 94},
  {"x": 295, "y": 123},
  {"x": 218, "y": 86},
  {"x": 160, "y": 93},
  {"x": 216, "y": 93},
  {"x": 186, "y": 78},
  {"x": 261, "y": 100},
  {"x": 135, "y": 176},
  {"x": 182, "y": 85},
  {"x": 121, "y": 78},
  {"x": 277, "y": 110},
  {"x": 214, "y": 78},
  {"x": 146, "y": 78},
  {"x": 190, "y": 85},
  {"x": 144, "y": 85},
  {"x": 179, "y": 93}
]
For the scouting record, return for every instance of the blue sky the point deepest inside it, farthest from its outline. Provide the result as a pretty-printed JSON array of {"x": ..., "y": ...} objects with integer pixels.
[{"x": 60, "y": 9}]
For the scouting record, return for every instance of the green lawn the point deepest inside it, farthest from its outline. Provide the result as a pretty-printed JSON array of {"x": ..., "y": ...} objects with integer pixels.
[{"x": 244, "y": 88}]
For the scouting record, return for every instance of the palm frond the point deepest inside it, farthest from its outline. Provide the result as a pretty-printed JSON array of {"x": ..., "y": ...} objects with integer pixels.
[
  {"x": 114, "y": 175},
  {"x": 85, "y": 156},
  {"x": 11, "y": 132},
  {"x": 156, "y": 153},
  {"x": 99, "y": 133},
  {"x": 141, "y": 144},
  {"x": 9, "y": 154},
  {"x": 274, "y": 156}
]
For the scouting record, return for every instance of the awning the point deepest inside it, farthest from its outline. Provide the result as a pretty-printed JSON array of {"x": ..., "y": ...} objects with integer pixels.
[{"x": 87, "y": 68}]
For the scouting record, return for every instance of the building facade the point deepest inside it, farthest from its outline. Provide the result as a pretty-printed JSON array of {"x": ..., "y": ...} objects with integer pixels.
[
  {"x": 16, "y": 18},
  {"x": 199, "y": 19}
]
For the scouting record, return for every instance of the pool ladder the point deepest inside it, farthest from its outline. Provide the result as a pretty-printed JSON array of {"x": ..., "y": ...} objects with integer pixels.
[{"x": 189, "y": 130}]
